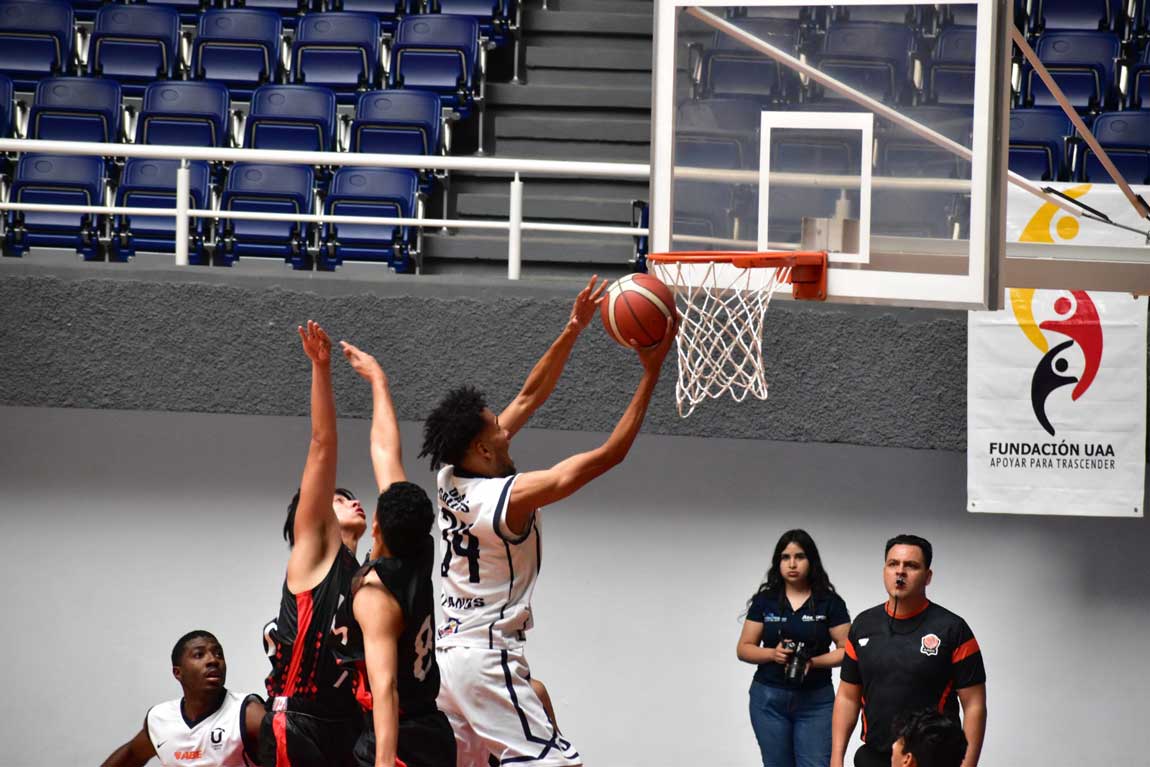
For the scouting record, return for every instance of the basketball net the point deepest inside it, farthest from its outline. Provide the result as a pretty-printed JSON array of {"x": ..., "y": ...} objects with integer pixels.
[{"x": 720, "y": 341}]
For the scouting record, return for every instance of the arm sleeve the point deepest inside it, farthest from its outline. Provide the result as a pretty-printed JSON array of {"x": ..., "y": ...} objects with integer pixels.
[
  {"x": 966, "y": 660},
  {"x": 755, "y": 611},
  {"x": 837, "y": 613},
  {"x": 850, "y": 668}
]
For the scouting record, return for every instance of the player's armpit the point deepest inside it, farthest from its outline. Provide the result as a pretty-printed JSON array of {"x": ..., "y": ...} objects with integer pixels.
[
  {"x": 535, "y": 489},
  {"x": 135, "y": 753},
  {"x": 381, "y": 621}
]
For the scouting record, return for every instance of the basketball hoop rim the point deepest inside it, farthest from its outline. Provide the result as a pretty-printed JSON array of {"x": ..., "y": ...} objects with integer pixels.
[{"x": 769, "y": 259}]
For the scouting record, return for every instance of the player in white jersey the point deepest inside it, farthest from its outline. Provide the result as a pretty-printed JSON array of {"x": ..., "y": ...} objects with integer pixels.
[
  {"x": 208, "y": 727},
  {"x": 491, "y": 551}
]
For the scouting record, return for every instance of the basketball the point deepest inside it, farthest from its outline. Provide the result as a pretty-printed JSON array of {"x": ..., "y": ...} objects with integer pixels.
[{"x": 637, "y": 307}]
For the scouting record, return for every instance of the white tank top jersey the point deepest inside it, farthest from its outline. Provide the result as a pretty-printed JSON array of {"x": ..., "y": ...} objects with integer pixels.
[
  {"x": 488, "y": 573},
  {"x": 216, "y": 741}
]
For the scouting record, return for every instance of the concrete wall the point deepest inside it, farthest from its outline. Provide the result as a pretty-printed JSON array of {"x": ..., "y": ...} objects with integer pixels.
[
  {"x": 134, "y": 338},
  {"x": 121, "y": 530}
]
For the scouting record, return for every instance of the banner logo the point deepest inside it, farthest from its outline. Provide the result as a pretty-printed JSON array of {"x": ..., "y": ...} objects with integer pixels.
[
  {"x": 1079, "y": 322},
  {"x": 1042, "y": 227}
]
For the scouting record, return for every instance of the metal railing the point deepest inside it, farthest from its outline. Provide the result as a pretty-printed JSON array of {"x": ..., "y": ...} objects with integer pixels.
[{"x": 184, "y": 212}]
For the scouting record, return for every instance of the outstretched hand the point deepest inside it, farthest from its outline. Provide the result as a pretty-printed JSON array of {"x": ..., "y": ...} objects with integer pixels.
[
  {"x": 652, "y": 356},
  {"x": 316, "y": 344},
  {"x": 362, "y": 362},
  {"x": 587, "y": 302}
]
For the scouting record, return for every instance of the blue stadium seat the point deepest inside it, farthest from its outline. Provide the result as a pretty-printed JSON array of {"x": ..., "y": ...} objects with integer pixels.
[
  {"x": 398, "y": 122},
  {"x": 85, "y": 10},
  {"x": 802, "y": 152},
  {"x": 267, "y": 189},
  {"x": 910, "y": 15},
  {"x": 239, "y": 47},
  {"x": 729, "y": 68},
  {"x": 189, "y": 10},
  {"x": 1138, "y": 90},
  {"x": 6, "y": 104},
  {"x": 1038, "y": 143},
  {"x": 494, "y": 16},
  {"x": 950, "y": 73},
  {"x": 718, "y": 133},
  {"x": 147, "y": 183},
  {"x": 1071, "y": 14},
  {"x": 184, "y": 114},
  {"x": 289, "y": 10},
  {"x": 57, "y": 180},
  {"x": 1126, "y": 138},
  {"x": 76, "y": 109},
  {"x": 383, "y": 192},
  {"x": 874, "y": 58},
  {"x": 440, "y": 54},
  {"x": 36, "y": 40},
  {"x": 338, "y": 50},
  {"x": 388, "y": 11},
  {"x": 295, "y": 117},
  {"x": 135, "y": 44},
  {"x": 1082, "y": 63},
  {"x": 920, "y": 213}
]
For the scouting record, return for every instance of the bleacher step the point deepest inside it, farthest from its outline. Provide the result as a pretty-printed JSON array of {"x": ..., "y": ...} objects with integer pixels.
[
  {"x": 598, "y": 210},
  {"x": 569, "y": 96},
  {"x": 573, "y": 126},
  {"x": 537, "y": 247},
  {"x": 624, "y": 24},
  {"x": 591, "y": 151},
  {"x": 603, "y": 6},
  {"x": 579, "y": 58}
]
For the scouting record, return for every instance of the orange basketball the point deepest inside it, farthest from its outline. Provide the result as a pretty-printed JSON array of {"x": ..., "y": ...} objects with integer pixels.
[{"x": 637, "y": 307}]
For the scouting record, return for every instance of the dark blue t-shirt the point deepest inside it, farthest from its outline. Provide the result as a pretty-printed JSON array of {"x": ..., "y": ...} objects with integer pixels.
[{"x": 811, "y": 624}]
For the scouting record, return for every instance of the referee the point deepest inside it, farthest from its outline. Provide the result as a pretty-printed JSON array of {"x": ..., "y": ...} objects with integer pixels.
[{"x": 907, "y": 654}]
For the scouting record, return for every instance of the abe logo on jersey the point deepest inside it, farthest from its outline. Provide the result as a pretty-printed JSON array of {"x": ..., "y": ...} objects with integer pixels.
[{"x": 930, "y": 644}]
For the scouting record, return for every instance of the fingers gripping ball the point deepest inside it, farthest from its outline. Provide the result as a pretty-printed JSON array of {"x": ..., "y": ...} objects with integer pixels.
[{"x": 637, "y": 307}]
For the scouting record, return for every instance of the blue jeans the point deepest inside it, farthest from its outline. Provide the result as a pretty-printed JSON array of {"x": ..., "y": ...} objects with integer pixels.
[{"x": 793, "y": 727}]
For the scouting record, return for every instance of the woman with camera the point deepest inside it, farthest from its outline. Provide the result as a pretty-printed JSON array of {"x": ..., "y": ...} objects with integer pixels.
[{"x": 790, "y": 624}]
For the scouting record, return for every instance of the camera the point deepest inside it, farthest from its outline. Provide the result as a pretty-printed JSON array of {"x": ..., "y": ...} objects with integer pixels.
[{"x": 796, "y": 668}]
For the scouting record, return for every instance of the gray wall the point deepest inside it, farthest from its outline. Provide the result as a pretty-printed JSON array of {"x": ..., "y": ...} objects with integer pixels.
[
  {"x": 136, "y": 337},
  {"x": 120, "y": 530}
]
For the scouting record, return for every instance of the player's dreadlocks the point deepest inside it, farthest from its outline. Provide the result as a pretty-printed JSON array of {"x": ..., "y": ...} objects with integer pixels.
[{"x": 452, "y": 425}]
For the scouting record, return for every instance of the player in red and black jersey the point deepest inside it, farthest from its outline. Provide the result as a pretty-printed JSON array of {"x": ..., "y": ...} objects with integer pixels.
[
  {"x": 907, "y": 654},
  {"x": 313, "y": 717},
  {"x": 390, "y": 638}
]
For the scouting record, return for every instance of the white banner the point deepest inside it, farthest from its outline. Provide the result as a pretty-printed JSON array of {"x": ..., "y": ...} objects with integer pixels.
[
  {"x": 1056, "y": 405},
  {"x": 1030, "y": 219}
]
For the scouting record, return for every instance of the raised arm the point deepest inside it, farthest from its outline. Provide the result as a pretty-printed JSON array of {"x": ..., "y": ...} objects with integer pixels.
[
  {"x": 316, "y": 527},
  {"x": 135, "y": 753},
  {"x": 543, "y": 377},
  {"x": 540, "y": 488},
  {"x": 386, "y": 450},
  {"x": 381, "y": 622}
]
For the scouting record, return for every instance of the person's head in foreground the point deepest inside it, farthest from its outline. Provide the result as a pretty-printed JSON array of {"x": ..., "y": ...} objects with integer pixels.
[{"x": 927, "y": 738}]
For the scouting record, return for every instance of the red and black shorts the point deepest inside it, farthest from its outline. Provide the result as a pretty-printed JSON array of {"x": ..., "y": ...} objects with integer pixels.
[{"x": 299, "y": 739}]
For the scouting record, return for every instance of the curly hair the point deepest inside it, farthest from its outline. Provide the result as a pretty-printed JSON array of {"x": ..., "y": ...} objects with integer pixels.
[
  {"x": 404, "y": 515},
  {"x": 819, "y": 581},
  {"x": 452, "y": 425},
  {"x": 933, "y": 738}
]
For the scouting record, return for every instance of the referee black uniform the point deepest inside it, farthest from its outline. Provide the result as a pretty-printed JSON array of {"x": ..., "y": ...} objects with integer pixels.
[{"x": 912, "y": 662}]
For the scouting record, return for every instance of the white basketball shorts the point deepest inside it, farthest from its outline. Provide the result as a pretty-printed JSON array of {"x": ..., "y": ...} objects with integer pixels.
[{"x": 497, "y": 718}]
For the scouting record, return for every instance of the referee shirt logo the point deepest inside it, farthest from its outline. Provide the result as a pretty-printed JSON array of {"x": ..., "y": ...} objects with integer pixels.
[{"x": 930, "y": 644}]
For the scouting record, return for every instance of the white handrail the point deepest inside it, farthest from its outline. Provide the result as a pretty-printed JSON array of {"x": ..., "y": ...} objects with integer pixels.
[
  {"x": 500, "y": 165},
  {"x": 183, "y": 211}
]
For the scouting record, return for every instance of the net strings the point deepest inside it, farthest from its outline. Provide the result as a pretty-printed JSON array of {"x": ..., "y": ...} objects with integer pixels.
[{"x": 720, "y": 341}]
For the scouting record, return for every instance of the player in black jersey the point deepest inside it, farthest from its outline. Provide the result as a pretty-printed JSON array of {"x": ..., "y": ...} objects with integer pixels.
[
  {"x": 313, "y": 717},
  {"x": 391, "y": 639},
  {"x": 904, "y": 655}
]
